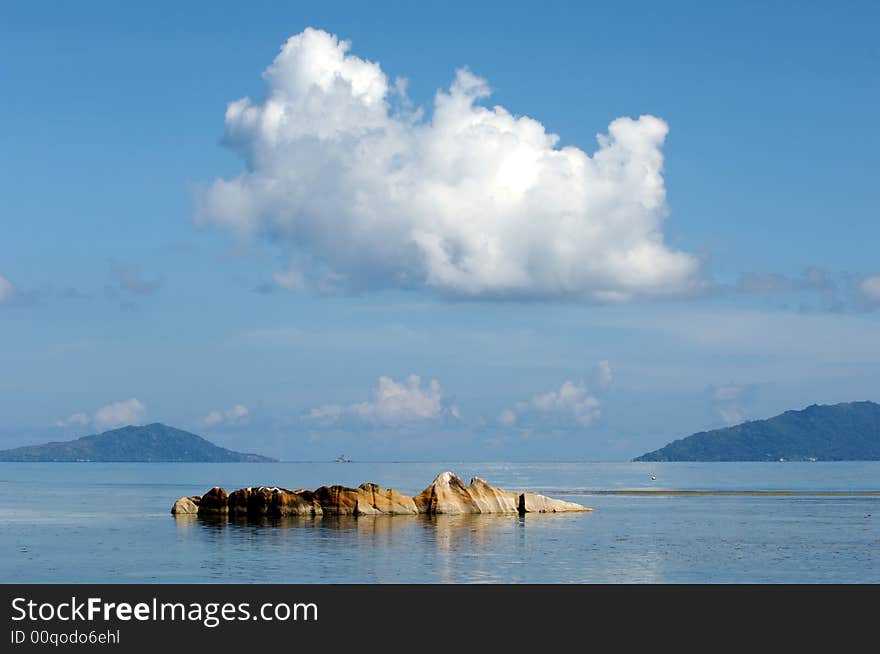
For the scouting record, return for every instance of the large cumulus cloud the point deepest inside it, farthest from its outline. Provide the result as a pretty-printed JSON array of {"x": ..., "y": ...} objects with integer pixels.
[
  {"x": 571, "y": 405},
  {"x": 363, "y": 191},
  {"x": 393, "y": 403}
]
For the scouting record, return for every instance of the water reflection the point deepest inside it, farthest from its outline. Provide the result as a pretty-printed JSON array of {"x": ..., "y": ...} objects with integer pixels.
[
  {"x": 374, "y": 549},
  {"x": 444, "y": 531}
]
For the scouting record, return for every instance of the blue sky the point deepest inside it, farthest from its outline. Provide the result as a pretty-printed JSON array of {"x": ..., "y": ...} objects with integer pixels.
[{"x": 276, "y": 287}]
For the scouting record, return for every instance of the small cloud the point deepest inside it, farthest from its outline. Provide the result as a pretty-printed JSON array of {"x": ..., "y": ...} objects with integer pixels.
[
  {"x": 603, "y": 374},
  {"x": 507, "y": 417},
  {"x": 731, "y": 402},
  {"x": 763, "y": 283},
  {"x": 127, "y": 412},
  {"x": 7, "y": 290},
  {"x": 229, "y": 417},
  {"x": 393, "y": 403},
  {"x": 812, "y": 279},
  {"x": 571, "y": 405},
  {"x": 497, "y": 441},
  {"x": 76, "y": 419},
  {"x": 832, "y": 291},
  {"x": 131, "y": 281},
  {"x": 731, "y": 415},
  {"x": 870, "y": 290},
  {"x": 117, "y": 414},
  {"x": 290, "y": 280}
]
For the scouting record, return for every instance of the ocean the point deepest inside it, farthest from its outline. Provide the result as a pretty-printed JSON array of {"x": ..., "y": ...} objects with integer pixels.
[{"x": 811, "y": 522}]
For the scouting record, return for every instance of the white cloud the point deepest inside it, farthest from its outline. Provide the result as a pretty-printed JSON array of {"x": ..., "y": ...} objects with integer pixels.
[
  {"x": 731, "y": 401},
  {"x": 604, "y": 374},
  {"x": 117, "y": 414},
  {"x": 731, "y": 415},
  {"x": 291, "y": 280},
  {"x": 7, "y": 290},
  {"x": 572, "y": 403},
  {"x": 229, "y": 417},
  {"x": 870, "y": 289},
  {"x": 127, "y": 412},
  {"x": 131, "y": 281},
  {"x": 76, "y": 419},
  {"x": 393, "y": 403},
  {"x": 473, "y": 201},
  {"x": 727, "y": 393}
]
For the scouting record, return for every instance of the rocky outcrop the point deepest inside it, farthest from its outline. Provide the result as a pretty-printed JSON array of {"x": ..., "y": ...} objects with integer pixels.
[
  {"x": 447, "y": 494},
  {"x": 186, "y": 505},
  {"x": 298, "y": 502},
  {"x": 270, "y": 501},
  {"x": 215, "y": 501},
  {"x": 387, "y": 501},
  {"x": 490, "y": 499},
  {"x": 341, "y": 500},
  {"x": 273, "y": 502},
  {"x": 534, "y": 503}
]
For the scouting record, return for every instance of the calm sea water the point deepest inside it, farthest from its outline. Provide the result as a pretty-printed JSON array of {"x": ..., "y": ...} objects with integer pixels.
[{"x": 96, "y": 522}]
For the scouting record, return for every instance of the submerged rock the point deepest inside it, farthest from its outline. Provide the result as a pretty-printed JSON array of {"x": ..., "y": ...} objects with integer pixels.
[{"x": 447, "y": 494}]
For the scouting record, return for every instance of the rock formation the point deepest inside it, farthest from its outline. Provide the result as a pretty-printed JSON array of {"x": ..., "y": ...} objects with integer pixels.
[
  {"x": 186, "y": 505},
  {"x": 534, "y": 503},
  {"x": 447, "y": 494},
  {"x": 386, "y": 501},
  {"x": 273, "y": 502},
  {"x": 215, "y": 501}
]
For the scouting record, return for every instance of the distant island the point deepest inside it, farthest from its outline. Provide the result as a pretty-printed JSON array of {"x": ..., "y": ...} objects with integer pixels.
[
  {"x": 841, "y": 432},
  {"x": 154, "y": 443}
]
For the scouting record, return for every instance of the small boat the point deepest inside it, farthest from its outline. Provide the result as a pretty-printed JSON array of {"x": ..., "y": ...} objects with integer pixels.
[{"x": 342, "y": 459}]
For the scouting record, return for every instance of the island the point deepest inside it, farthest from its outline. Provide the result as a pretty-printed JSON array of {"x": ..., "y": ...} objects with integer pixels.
[
  {"x": 152, "y": 443},
  {"x": 849, "y": 431},
  {"x": 447, "y": 494}
]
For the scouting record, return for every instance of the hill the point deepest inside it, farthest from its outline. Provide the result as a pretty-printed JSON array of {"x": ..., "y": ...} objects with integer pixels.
[
  {"x": 147, "y": 443},
  {"x": 839, "y": 432}
]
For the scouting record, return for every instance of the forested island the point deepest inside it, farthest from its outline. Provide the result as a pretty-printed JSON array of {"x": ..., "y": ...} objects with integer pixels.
[
  {"x": 841, "y": 432},
  {"x": 151, "y": 443}
]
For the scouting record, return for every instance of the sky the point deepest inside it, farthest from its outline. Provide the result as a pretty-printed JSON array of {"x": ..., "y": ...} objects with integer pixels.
[{"x": 481, "y": 231}]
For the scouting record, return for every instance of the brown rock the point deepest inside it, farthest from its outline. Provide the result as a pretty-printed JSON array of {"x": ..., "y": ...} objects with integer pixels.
[
  {"x": 340, "y": 500},
  {"x": 386, "y": 501},
  {"x": 186, "y": 505},
  {"x": 240, "y": 499},
  {"x": 492, "y": 500},
  {"x": 300, "y": 502},
  {"x": 534, "y": 503},
  {"x": 215, "y": 501},
  {"x": 273, "y": 502},
  {"x": 447, "y": 494}
]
